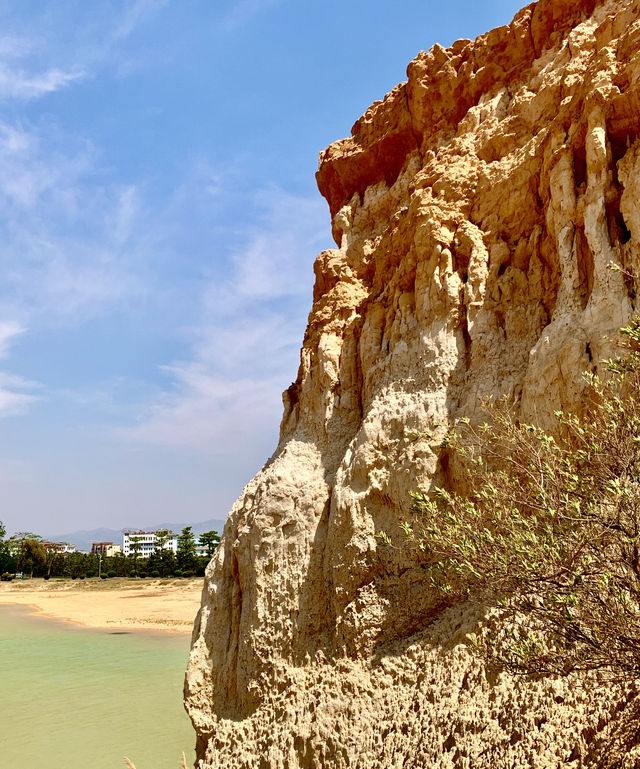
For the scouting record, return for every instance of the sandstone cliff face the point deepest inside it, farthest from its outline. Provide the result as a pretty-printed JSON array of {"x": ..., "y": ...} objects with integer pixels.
[{"x": 475, "y": 210}]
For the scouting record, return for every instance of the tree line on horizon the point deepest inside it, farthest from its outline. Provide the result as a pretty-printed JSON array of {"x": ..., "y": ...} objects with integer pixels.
[{"x": 29, "y": 554}]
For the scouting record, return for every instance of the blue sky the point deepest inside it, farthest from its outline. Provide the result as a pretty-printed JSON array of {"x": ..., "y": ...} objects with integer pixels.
[{"x": 158, "y": 224}]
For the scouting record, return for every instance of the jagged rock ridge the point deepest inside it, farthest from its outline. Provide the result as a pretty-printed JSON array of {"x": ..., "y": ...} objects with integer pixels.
[{"x": 475, "y": 209}]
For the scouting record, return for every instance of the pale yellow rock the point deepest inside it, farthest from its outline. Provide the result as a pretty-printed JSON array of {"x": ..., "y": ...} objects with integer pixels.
[{"x": 476, "y": 210}]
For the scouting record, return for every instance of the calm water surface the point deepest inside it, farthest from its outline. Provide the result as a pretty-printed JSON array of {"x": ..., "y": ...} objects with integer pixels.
[{"x": 73, "y": 698}]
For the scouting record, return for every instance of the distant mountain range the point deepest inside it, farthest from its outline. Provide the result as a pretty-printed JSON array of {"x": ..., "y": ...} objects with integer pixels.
[{"x": 82, "y": 539}]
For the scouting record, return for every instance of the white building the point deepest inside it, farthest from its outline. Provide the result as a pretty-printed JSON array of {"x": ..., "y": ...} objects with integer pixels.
[
  {"x": 201, "y": 550},
  {"x": 147, "y": 541},
  {"x": 61, "y": 547}
]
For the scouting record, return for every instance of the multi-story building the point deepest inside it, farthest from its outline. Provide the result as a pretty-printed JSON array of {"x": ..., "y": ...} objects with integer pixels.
[
  {"x": 147, "y": 542},
  {"x": 107, "y": 549},
  {"x": 61, "y": 547},
  {"x": 202, "y": 550}
]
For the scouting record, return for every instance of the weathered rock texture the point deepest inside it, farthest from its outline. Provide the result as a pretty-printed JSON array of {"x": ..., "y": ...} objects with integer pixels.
[{"x": 475, "y": 209}]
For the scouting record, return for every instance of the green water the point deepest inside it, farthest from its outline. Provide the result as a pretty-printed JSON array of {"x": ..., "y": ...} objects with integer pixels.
[{"x": 72, "y": 698}]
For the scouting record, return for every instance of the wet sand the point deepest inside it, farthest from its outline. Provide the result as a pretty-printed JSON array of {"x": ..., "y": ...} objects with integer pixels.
[{"x": 131, "y": 604}]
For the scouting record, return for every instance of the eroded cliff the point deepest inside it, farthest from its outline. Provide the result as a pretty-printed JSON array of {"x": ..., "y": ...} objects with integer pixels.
[{"x": 476, "y": 210}]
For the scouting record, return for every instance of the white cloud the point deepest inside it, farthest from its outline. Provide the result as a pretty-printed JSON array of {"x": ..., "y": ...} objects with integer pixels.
[
  {"x": 9, "y": 330},
  {"x": 13, "y": 403},
  {"x": 23, "y": 77},
  {"x": 243, "y": 11},
  {"x": 72, "y": 238},
  {"x": 15, "y": 46},
  {"x": 52, "y": 54},
  {"x": 134, "y": 14},
  {"x": 226, "y": 398},
  {"x": 210, "y": 414},
  {"x": 13, "y": 398},
  {"x": 270, "y": 266},
  {"x": 22, "y": 85},
  {"x": 104, "y": 45},
  {"x": 33, "y": 166},
  {"x": 76, "y": 243}
]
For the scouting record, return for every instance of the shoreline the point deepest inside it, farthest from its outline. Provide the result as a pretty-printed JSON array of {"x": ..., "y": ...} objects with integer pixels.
[{"x": 167, "y": 605}]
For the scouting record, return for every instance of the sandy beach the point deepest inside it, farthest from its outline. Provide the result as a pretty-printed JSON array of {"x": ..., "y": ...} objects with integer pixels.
[{"x": 151, "y": 604}]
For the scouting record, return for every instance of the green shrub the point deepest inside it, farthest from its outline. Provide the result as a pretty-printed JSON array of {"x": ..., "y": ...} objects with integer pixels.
[
  {"x": 103, "y": 576},
  {"x": 6, "y": 577},
  {"x": 549, "y": 531},
  {"x": 155, "y": 573},
  {"x": 111, "y": 573},
  {"x": 178, "y": 573},
  {"x": 91, "y": 574},
  {"x": 188, "y": 574}
]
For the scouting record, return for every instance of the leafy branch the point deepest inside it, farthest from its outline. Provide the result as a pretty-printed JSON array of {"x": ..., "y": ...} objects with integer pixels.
[{"x": 548, "y": 531}]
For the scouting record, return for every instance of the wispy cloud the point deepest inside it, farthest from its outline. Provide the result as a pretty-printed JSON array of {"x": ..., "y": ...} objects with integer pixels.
[
  {"x": 52, "y": 54},
  {"x": 68, "y": 231},
  {"x": 70, "y": 236},
  {"x": 73, "y": 238},
  {"x": 226, "y": 397},
  {"x": 69, "y": 239},
  {"x": 9, "y": 330},
  {"x": 244, "y": 11},
  {"x": 133, "y": 15},
  {"x": 34, "y": 166},
  {"x": 13, "y": 398},
  {"x": 23, "y": 76},
  {"x": 24, "y": 85}
]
